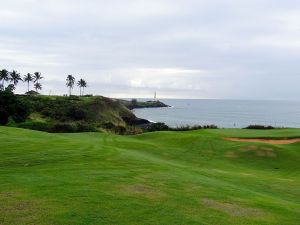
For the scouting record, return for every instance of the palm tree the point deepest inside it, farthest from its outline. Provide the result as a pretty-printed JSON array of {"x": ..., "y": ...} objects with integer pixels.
[
  {"x": 70, "y": 83},
  {"x": 37, "y": 76},
  {"x": 81, "y": 84},
  {"x": 4, "y": 76},
  {"x": 15, "y": 77},
  {"x": 37, "y": 86},
  {"x": 28, "y": 78}
]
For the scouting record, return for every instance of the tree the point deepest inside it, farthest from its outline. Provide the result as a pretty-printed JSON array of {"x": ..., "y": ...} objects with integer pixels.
[
  {"x": 70, "y": 83},
  {"x": 4, "y": 76},
  {"x": 10, "y": 105},
  {"x": 37, "y": 86},
  {"x": 15, "y": 77},
  {"x": 81, "y": 84},
  {"x": 28, "y": 78},
  {"x": 10, "y": 88},
  {"x": 37, "y": 76}
]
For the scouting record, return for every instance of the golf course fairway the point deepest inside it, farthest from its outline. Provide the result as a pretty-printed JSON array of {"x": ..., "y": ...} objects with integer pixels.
[{"x": 160, "y": 178}]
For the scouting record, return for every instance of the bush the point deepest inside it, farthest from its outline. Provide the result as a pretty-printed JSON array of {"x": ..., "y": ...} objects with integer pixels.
[
  {"x": 18, "y": 109},
  {"x": 119, "y": 130},
  {"x": 32, "y": 93},
  {"x": 156, "y": 127},
  {"x": 195, "y": 127},
  {"x": 85, "y": 127},
  {"x": 33, "y": 125},
  {"x": 75, "y": 113},
  {"x": 4, "y": 115},
  {"x": 108, "y": 125},
  {"x": 63, "y": 128},
  {"x": 260, "y": 127},
  {"x": 74, "y": 97}
]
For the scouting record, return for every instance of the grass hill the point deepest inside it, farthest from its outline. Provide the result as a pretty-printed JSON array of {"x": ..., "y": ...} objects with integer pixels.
[
  {"x": 175, "y": 178},
  {"x": 76, "y": 114}
]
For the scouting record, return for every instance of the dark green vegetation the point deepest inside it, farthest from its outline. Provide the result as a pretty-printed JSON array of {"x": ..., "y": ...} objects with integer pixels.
[
  {"x": 260, "y": 127},
  {"x": 75, "y": 114},
  {"x": 12, "y": 107},
  {"x": 163, "y": 127},
  {"x": 156, "y": 178},
  {"x": 63, "y": 114}
]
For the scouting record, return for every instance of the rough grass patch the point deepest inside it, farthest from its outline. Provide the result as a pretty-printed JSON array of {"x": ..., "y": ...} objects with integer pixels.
[
  {"x": 231, "y": 154},
  {"x": 14, "y": 210},
  {"x": 232, "y": 209},
  {"x": 142, "y": 190}
]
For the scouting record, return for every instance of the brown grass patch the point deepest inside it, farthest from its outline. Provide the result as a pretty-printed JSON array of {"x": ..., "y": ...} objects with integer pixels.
[
  {"x": 266, "y": 141},
  {"x": 14, "y": 210},
  {"x": 142, "y": 190},
  {"x": 249, "y": 148},
  {"x": 260, "y": 151},
  {"x": 257, "y": 150},
  {"x": 232, "y": 209},
  {"x": 230, "y": 154}
]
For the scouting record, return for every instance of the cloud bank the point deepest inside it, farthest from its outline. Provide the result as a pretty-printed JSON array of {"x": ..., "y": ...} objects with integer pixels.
[{"x": 246, "y": 49}]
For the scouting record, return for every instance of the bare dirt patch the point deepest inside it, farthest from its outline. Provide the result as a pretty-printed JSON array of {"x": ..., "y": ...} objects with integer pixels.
[
  {"x": 232, "y": 209},
  {"x": 266, "y": 141}
]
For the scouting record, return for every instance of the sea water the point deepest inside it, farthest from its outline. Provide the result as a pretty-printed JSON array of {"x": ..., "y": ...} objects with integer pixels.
[{"x": 224, "y": 113}]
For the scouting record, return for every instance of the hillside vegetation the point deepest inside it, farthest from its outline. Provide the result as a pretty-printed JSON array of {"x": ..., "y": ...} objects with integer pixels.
[
  {"x": 175, "y": 178},
  {"x": 75, "y": 114}
]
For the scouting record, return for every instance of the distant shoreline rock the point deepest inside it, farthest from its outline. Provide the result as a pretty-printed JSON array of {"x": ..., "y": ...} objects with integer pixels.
[{"x": 134, "y": 104}]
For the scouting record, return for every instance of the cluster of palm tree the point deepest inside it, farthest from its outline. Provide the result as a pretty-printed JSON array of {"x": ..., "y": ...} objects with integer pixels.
[
  {"x": 71, "y": 82},
  {"x": 13, "y": 78},
  {"x": 35, "y": 78}
]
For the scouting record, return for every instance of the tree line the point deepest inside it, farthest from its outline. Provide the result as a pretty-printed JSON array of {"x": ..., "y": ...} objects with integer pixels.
[
  {"x": 71, "y": 82},
  {"x": 13, "y": 78}
]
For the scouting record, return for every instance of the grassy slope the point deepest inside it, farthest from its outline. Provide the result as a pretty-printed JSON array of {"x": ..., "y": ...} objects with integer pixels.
[
  {"x": 99, "y": 109},
  {"x": 155, "y": 178}
]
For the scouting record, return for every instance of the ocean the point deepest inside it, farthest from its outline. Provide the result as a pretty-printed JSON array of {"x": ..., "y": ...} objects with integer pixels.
[{"x": 224, "y": 113}]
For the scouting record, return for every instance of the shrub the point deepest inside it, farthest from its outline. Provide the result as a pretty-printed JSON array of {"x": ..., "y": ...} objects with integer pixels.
[
  {"x": 3, "y": 117},
  {"x": 18, "y": 109},
  {"x": 75, "y": 113},
  {"x": 119, "y": 130},
  {"x": 33, "y": 125},
  {"x": 32, "y": 93},
  {"x": 62, "y": 128},
  {"x": 195, "y": 127},
  {"x": 74, "y": 97},
  {"x": 260, "y": 127},
  {"x": 108, "y": 125},
  {"x": 156, "y": 127},
  {"x": 85, "y": 127}
]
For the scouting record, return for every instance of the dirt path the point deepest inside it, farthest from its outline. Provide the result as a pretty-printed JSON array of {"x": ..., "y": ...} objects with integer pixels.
[{"x": 267, "y": 141}]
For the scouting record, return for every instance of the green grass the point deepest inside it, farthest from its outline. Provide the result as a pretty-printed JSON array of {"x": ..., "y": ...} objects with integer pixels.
[{"x": 174, "y": 178}]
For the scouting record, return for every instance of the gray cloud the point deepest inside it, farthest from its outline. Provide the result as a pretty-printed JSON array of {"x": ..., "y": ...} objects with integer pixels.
[{"x": 183, "y": 49}]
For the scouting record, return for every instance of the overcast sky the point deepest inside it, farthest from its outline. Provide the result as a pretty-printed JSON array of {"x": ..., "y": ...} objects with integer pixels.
[{"x": 233, "y": 49}]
